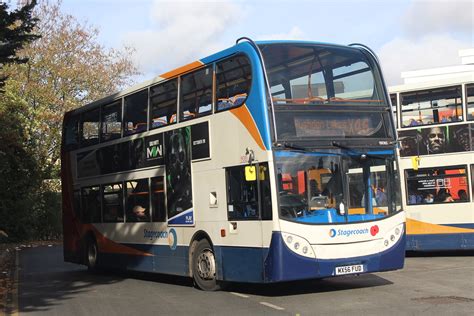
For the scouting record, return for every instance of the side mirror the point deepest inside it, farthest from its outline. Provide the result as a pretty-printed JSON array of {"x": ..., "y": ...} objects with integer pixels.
[{"x": 342, "y": 208}]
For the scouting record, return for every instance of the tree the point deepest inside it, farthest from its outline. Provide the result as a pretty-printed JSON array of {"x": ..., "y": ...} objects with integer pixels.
[
  {"x": 67, "y": 69},
  {"x": 15, "y": 31},
  {"x": 64, "y": 69}
]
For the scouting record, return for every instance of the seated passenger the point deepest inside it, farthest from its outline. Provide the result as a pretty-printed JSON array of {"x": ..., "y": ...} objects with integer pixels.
[
  {"x": 412, "y": 122},
  {"x": 444, "y": 196},
  {"x": 159, "y": 121},
  {"x": 463, "y": 195},
  {"x": 415, "y": 198},
  {"x": 139, "y": 214},
  {"x": 429, "y": 198}
]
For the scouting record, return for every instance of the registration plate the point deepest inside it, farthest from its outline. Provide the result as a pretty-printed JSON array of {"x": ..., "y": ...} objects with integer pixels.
[{"x": 357, "y": 268}]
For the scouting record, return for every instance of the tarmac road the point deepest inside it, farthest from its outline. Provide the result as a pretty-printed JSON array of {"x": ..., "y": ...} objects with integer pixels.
[{"x": 429, "y": 286}]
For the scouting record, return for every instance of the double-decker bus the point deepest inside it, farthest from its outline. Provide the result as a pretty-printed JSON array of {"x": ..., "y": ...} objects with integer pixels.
[
  {"x": 265, "y": 162},
  {"x": 436, "y": 133}
]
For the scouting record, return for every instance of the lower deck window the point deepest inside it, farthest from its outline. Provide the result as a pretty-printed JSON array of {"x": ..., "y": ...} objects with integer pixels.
[
  {"x": 437, "y": 185},
  {"x": 248, "y": 199},
  {"x": 91, "y": 211},
  {"x": 137, "y": 201}
]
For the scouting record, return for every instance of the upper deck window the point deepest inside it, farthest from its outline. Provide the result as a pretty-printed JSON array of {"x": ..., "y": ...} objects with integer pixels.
[
  {"x": 196, "y": 94},
  {"x": 315, "y": 89},
  {"x": 90, "y": 122},
  {"x": 393, "y": 100},
  {"x": 163, "y": 103},
  {"x": 233, "y": 79},
  {"x": 320, "y": 74},
  {"x": 71, "y": 133},
  {"x": 111, "y": 121},
  {"x": 432, "y": 106},
  {"x": 470, "y": 101},
  {"x": 135, "y": 113}
]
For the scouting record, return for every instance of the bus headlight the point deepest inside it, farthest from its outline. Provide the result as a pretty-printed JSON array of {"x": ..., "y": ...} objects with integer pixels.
[
  {"x": 298, "y": 245},
  {"x": 393, "y": 235}
]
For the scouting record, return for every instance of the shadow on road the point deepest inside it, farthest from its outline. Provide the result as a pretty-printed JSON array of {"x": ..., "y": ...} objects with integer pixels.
[
  {"x": 308, "y": 286},
  {"x": 45, "y": 280}
]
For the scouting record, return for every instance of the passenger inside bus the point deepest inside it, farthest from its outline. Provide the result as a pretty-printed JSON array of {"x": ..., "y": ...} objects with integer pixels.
[
  {"x": 462, "y": 194},
  {"x": 139, "y": 214}
]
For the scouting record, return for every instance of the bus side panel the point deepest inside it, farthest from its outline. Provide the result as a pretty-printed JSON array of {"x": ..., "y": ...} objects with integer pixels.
[
  {"x": 241, "y": 264},
  {"x": 438, "y": 242},
  {"x": 164, "y": 260},
  {"x": 71, "y": 232},
  {"x": 427, "y": 236}
]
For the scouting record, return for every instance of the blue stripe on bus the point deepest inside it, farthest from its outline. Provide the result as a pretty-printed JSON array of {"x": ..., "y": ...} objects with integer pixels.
[
  {"x": 164, "y": 260},
  {"x": 257, "y": 92},
  {"x": 438, "y": 242},
  {"x": 467, "y": 225},
  {"x": 286, "y": 153},
  {"x": 381, "y": 152}
]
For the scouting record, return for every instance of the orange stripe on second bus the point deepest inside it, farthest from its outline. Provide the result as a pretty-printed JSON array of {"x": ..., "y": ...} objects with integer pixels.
[
  {"x": 243, "y": 114},
  {"x": 180, "y": 70},
  {"x": 415, "y": 227}
]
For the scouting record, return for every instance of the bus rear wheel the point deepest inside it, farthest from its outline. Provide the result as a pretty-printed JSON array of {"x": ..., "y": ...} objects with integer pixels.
[
  {"x": 204, "y": 266},
  {"x": 92, "y": 254}
]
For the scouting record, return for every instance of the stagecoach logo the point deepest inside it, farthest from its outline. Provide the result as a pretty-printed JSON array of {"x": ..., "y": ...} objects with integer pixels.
[
  {"x": 162, "y": 234},
  {"x": 374, "y": 230},
  {"x": 172, "y": 239}
]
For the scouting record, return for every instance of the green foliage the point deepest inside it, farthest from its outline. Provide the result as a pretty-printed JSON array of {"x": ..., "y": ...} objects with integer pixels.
[
  {"x": 16, "y": 29},
  {"x": 20, "y": 179},
  {"x": 63, "y": 69}
]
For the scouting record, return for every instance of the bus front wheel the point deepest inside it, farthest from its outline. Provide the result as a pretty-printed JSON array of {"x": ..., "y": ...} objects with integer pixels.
[{"x": 204, "y": 266}]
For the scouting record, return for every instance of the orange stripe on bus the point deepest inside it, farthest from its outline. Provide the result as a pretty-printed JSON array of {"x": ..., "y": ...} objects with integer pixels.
[
  {"x": 109, "y": 246},
  {"x": 243, "y": 114},
  {"x": 415, "y": 227},
  {"x": 183, "y": 69}
]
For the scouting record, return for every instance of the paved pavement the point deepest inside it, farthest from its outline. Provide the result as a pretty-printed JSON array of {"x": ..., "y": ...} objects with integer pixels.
[{"x": 427, "y": 285}]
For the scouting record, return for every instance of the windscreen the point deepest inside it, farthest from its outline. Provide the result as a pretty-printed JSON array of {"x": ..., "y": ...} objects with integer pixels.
[
  {"x": 321, "y": 188},
  {"x": 325, "y": 91}
]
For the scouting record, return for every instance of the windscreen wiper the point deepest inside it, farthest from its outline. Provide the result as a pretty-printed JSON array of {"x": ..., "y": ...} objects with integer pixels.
[
  {"x": 362, "y": 156},
  {"x": 288, "y": 145}
]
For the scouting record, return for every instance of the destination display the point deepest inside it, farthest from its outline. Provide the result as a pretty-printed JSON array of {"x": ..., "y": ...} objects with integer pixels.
[{"x": 342, "y": 125}]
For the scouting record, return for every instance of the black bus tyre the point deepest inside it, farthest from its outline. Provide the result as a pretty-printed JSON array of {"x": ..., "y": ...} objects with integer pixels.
[
  {"x": 204, "y": 267},
  {"x": 92, "y": 255}
]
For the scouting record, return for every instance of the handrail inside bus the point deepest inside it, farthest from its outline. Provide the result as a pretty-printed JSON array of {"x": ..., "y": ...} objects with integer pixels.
[{"x": 366, "y": 48}]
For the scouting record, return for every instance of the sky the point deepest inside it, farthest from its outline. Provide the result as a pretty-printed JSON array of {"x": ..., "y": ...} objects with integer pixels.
[{"x": 406, "y": 34}]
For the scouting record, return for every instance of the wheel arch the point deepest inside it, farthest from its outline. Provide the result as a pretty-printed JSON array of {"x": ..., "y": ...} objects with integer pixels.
[{"x": 199, "y": 235}]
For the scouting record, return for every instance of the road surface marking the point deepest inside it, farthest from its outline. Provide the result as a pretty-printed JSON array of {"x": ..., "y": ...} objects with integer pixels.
[
  {"x": 272, "y": 306},
  {"x": 240, "y": 295}
]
